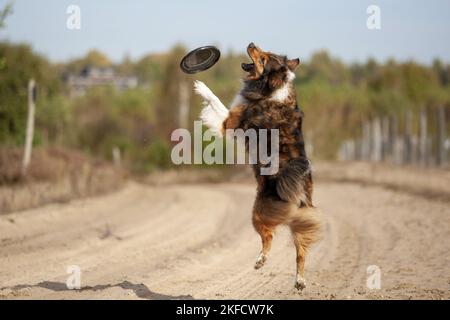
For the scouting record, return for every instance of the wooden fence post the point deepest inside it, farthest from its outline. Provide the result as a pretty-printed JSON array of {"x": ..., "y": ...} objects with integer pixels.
[
  {"x": 381, "y": 141},
  {"x": 376, "y": 140},
  {"x": 423, "y": 138},
  {"x": 385, "y": 143},
  {"x": 441, "y": 137},
  {"x": 366, "y": 143},
  {"x": 30, "y": 126},
  {"x": 117, "y": 156},
  {"x": 408, "y": 138},
  {"x": 397, "y": 142},
  {"x": 358, "y": 149}
]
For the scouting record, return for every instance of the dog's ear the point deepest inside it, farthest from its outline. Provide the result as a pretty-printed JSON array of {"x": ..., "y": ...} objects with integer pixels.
[{"x": 293, "y": 64}]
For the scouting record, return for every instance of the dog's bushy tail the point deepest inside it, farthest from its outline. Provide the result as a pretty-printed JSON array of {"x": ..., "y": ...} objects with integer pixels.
[{"x": 307, "y": 222}]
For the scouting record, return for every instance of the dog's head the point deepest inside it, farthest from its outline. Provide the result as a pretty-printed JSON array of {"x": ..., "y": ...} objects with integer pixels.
[{"x": 269, "y": 70}]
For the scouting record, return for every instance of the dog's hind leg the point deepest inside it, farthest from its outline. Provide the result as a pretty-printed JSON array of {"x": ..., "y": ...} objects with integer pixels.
[
  {"x": 304, "y": 226},
  {"x": 266, "y": 233},
  {"x": 300, "y": 282}
]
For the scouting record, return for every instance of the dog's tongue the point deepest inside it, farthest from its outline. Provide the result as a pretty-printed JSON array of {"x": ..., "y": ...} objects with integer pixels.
[{"x": 247, "y": 66}]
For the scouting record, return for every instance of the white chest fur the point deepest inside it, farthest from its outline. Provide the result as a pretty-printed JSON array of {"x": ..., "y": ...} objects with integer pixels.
[{"x": 281, "y": 94}]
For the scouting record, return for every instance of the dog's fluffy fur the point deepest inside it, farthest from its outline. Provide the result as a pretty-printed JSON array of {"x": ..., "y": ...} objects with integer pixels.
[{"x": 267, "y": 100}]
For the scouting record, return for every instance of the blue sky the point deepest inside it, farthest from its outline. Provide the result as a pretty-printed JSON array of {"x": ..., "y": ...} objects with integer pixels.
[{"x": 411, "y": 29}]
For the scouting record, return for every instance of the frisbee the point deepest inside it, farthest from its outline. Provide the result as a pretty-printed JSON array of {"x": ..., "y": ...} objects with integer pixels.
[{"x": 200, "y": 59}]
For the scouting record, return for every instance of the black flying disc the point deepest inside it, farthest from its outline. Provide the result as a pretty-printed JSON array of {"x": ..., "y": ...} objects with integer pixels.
[{"x": 200, "y": 59}]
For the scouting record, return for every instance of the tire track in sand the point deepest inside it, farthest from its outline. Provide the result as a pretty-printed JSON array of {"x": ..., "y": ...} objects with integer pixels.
[{"x": 197, "y": 241}]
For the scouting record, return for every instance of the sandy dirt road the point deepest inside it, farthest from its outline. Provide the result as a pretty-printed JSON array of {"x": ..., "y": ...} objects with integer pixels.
[{"x": 196, "y": 241}]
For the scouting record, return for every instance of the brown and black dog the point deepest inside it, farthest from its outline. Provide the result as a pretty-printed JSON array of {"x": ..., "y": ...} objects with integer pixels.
[{"x": 267, "y": 100}]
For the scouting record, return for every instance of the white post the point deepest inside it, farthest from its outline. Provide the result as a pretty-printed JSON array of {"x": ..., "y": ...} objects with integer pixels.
[
  {"x": 385, "y": 148},
  {"x": 117, "y": 157},
  {"x": 376, "y": 140},
  {"x": 366, "y": 142},
  {"x": 396, "y": 141},
  {"x": 30, "y": 126},
  {"x": 407, "y": 151},
  {"x": 423, "y": 139}
]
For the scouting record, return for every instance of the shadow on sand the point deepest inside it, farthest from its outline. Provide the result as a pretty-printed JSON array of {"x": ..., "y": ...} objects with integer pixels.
[{"x": 141, "y": 290}]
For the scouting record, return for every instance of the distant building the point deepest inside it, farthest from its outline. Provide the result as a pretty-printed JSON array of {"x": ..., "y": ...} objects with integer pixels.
[{"x": 93, "y": 77}]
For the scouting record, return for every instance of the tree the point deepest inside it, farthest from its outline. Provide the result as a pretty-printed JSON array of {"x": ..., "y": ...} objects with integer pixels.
[
  {"x": 93, "y": 58},
  {"x": 20, "y": 65},
  {"x": 169, "y": 92},
  {"x": 4, "y": 13}
]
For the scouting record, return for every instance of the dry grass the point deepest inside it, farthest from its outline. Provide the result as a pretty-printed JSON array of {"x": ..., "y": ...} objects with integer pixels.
[
  {"x": 193, "y": 175},
  {"x": 431, "y": 183},
  {"x": 54, "y": 175}
]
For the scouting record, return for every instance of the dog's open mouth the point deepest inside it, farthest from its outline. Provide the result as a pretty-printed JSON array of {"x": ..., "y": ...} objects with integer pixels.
[{"x": 248, "y": 67}]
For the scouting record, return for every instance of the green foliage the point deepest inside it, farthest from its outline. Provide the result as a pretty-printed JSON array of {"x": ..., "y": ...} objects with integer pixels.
[
  {"x": 335, "y": 97},
  {"x": 4, "y": 13},
  {"x": 149, "y": 69},
  {"x": 105, "y": 118},
  {"x": 168, "y": 92},
  {"x": 93, "y": 58},
  {"x": 53, "y": 117},
  {"x": 20, "y": 65}
]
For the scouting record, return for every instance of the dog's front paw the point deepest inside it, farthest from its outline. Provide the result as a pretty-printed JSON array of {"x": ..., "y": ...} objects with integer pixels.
[
  {"x": 201, "y": 89},
  {"x": 300, "y": 283},
  {"x": 260, "y": 261}
]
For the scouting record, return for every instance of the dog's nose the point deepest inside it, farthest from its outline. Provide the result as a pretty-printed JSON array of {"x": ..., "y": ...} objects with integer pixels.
[{"x": 251, "y": 45}]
